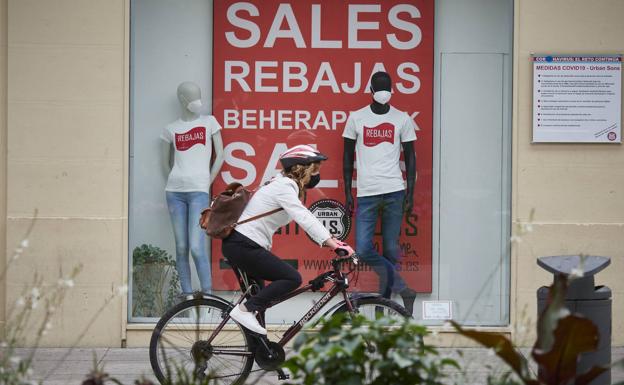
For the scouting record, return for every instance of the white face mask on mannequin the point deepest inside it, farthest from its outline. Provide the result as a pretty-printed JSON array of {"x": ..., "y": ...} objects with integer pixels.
[
  {"x": 382, "y": 97},
  {"x": 195, "y": 106}
]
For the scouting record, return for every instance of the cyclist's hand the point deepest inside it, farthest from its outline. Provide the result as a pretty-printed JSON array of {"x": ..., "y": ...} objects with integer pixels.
[{"x": 340, "y": 247}]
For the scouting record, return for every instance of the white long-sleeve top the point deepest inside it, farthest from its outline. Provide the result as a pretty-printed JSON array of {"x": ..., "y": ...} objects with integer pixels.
[{"x": 280, "y": 192}]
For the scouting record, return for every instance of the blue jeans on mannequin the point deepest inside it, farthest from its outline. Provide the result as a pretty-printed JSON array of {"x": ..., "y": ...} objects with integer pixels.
[
  {"x": 185, "y": 209},
  {"x": 390, "y": 206}
]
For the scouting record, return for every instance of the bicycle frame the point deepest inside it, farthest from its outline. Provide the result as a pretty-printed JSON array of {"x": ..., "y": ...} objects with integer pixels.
[
  {"x": 340, "y": 284},
  {"x": 336, "y": 288}
]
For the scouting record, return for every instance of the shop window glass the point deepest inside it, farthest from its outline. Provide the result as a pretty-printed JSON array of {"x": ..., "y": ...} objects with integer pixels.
[{"x": 279, "y": 75}]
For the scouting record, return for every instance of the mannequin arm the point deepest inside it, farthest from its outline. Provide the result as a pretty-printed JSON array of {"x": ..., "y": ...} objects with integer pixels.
[
  {"x": 347, "y": 172},
  {"x": 166, "y": 158},
  {"x": 217, "y": 143},
  {"x": 410, "y": 170}
]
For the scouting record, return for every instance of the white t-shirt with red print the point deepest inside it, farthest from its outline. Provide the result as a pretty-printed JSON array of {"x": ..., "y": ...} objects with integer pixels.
[
  {"x": 378, "y": 148},
  {"x": 192, "y": 143}
]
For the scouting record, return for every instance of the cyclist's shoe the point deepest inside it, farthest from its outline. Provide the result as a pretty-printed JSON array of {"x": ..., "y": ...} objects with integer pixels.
[
  {"x": 409, "y": 296},
  {"x": 247, "y": 319}
]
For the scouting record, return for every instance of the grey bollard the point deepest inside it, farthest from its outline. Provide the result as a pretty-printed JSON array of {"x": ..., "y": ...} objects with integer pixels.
[{"x": 583, "y": 297}]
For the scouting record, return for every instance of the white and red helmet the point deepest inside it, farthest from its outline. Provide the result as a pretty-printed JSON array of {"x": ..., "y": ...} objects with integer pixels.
[{"x": 301, "y": 154}]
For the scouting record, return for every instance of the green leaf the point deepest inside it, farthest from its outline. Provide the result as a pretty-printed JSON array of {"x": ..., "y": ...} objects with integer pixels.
[
  {"x": 352, "y": 344},
  {"x": 400, "y": 360},
  {"x": 450, "y": 362},
  {"x": 574, "y": 335},
  {"x": 310, "y": 365}
]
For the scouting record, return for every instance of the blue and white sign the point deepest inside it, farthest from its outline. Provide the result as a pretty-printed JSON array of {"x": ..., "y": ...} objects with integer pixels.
[{"x": 577, "y": 99}]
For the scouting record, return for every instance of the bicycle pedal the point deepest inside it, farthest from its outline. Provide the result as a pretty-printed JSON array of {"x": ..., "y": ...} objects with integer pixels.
[{"x": 281, "y": 375}]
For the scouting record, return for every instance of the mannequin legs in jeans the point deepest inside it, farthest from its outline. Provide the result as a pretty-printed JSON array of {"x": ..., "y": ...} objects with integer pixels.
[
  {"x": 185, "y": 209},
  {"x": 391, "y": 207}
]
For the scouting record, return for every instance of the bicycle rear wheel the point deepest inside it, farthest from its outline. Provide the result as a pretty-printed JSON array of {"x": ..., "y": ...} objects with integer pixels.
[
  {"x": 376, "y": 307},
  {"x": 179, "y": 346}
]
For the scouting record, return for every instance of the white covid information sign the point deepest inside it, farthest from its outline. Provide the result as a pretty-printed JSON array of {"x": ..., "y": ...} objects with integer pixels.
[{"x": 577, "y": 99}]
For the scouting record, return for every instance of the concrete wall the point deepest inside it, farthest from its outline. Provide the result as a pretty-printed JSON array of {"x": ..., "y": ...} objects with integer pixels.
[
  {"x": 67, "y": 130},
  {"x": 3, "y": 141},
  {"x": 576, "y": 190}
]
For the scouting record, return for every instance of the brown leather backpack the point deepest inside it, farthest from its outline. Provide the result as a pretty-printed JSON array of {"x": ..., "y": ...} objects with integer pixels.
[{"x": 221, "y": 217}]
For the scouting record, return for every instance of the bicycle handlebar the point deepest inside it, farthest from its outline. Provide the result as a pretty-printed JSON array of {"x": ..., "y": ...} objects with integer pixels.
[
  {"x": 341, "y": 252},
  {"x": 344, "y": 258}
]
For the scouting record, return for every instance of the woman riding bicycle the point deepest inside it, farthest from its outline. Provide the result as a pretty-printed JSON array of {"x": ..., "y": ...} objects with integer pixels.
[{"x": 248, "y": 247}]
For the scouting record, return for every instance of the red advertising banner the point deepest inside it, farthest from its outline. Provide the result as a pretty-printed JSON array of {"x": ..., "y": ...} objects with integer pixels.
[{"x": 289, "y": 72}]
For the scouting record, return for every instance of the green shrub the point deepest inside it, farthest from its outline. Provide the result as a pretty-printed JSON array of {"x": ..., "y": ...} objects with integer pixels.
[
  {"x": 155, "y": 281},
  {"x": 386, "y": 351}
]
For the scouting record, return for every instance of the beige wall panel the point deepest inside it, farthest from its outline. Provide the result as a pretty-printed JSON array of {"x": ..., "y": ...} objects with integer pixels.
[
  {"x": 57, "y": 244},
  {"x": 67, "y": 92},
  {"x": 69, "y": 131},
  {"x": 575, "y": 26},
  {"x": 558, "y": 239},
  {"x": 573, "y": 193},
  {"x": 138, "y": 338},
  {"x": 526, "y": 323},
  {"x": 66, "y": 22},
  {"x": 576, "y": 190},
  {"x": 566, "y": 26},
  {"x": 3, "y": 144},
  {"x": 60, "y": 245},
  {"x": 558, "y": 155},
  {"x": 448, "y": 338},
  {"x": 67, "y": 189},
  {"x": 89, "y": 75},
  {"x": 526, "y": 266},
  {"x": 545, "y": 240},
  {"x": 89, "y": 317}
]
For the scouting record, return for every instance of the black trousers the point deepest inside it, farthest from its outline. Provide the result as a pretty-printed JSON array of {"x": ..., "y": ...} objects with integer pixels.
[{"x": 259, "y": 263}]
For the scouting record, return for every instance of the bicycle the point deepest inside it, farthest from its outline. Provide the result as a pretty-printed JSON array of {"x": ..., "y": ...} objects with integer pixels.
[{"x": 186, "y": 337}]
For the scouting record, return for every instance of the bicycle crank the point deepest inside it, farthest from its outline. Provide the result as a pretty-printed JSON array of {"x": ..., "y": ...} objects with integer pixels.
[{"x": 269, "y": 355}]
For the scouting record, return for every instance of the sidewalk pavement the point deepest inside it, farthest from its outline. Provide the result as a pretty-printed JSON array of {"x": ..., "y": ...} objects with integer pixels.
[{"x": 60, "y": 366}]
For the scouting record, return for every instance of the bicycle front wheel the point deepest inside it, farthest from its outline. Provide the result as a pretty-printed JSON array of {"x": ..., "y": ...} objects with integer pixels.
[
  {"x": 179, "y": 348},
  {"x": 376, "y": 307}
]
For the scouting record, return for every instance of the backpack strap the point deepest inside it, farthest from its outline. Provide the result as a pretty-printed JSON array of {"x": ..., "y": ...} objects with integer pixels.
[{"x": 258, "y": 216}]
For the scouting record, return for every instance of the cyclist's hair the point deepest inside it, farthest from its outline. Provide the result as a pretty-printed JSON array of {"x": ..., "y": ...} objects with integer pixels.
[{"x": 301, "y": 174}]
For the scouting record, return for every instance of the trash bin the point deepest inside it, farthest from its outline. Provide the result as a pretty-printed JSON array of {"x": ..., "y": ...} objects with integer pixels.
[{"x": 583, "y": 297}]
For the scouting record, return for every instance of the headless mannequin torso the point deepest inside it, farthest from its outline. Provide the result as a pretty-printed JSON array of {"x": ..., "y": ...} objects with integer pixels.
[
  {"x": 379, "y": 82},
  {"x": 187, "y": 93}
]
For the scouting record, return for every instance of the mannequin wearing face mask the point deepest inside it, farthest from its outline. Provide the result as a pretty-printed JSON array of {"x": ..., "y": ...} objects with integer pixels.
[
  {"x": 377, "y": 133},
  {"x": 188, "y": 144}
]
